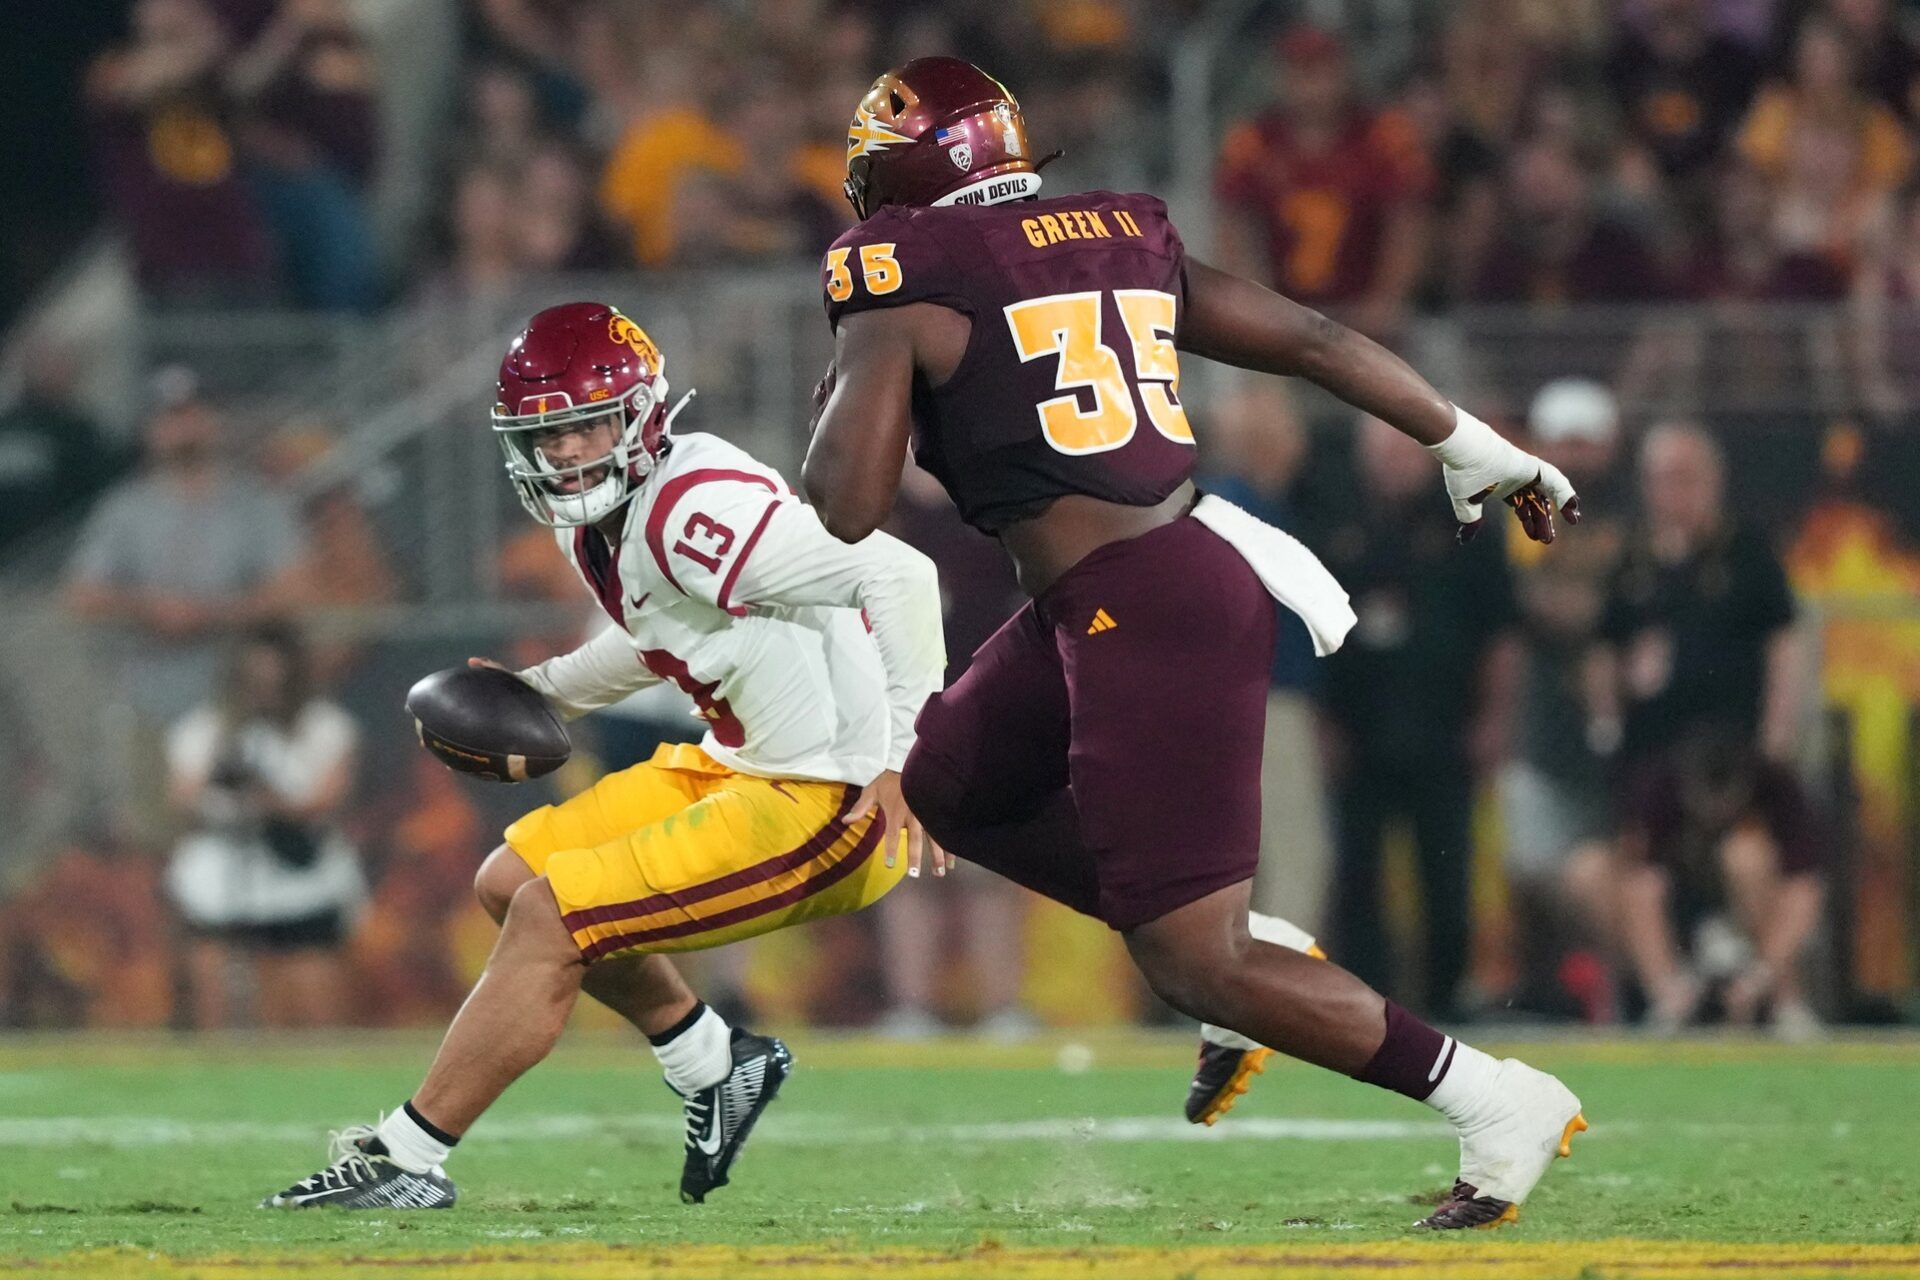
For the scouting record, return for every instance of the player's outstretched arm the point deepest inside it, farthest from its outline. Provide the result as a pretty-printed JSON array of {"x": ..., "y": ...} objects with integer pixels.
[
  {"x": 598, "y": 674},
  {"x": 1237, "y": 322},
  {"x": 860, "y": 435}
]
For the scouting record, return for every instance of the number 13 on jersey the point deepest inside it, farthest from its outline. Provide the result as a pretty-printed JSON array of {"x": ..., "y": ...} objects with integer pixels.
[{"x": 1068, "y": 325}]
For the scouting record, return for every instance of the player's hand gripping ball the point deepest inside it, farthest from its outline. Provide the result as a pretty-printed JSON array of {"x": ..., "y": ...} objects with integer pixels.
[{"x": 488, "y": 722}]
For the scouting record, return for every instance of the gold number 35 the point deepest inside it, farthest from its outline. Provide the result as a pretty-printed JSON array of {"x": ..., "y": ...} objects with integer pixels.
[
  {"x": 1068, "y": 325},
  {"x": 878, "y": 268}
]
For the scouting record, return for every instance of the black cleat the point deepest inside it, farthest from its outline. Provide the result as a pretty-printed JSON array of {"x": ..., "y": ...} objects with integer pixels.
[
  {"x": 1222, "y": 1076},
  {"x": 1465, "y": 1209},
  {"x": 720, "y": 1117},
  {"x": 363, "y": 1176}
]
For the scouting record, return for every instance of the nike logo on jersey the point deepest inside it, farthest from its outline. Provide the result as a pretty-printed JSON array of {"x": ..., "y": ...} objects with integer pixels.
[
  {"x": 635, "y": 604},
  {"x": 1102, "y": 621}
]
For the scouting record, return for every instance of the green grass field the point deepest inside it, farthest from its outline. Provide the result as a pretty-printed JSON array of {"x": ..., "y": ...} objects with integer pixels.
[{"x": 130, "y": 1157}]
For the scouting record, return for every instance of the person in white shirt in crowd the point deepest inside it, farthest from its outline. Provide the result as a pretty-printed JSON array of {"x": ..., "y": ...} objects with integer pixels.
[{"x": 265, "y": 881}]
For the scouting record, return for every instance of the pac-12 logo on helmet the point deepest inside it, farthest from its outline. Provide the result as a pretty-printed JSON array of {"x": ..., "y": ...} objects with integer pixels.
[
  {"x": 937, "y": 131},
  {"x": 576, "y": 368}
]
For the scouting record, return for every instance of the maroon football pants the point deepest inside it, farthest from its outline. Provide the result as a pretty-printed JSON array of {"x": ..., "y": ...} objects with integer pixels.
[{"x": 1104, "y": 747}]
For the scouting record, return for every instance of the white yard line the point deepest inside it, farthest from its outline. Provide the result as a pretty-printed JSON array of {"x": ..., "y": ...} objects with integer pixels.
[
  {"x": 806, "y": 1131},
  {"x": 814, "y": 1130}
]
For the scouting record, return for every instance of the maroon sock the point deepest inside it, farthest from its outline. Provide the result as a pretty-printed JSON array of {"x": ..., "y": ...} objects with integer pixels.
[{"x": 1413, "y": 1059}]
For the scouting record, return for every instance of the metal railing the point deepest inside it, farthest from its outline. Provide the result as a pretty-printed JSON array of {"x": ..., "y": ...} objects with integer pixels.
[
  {"x": 405, "y": 396},
  {"x": 426, "y": 468}
]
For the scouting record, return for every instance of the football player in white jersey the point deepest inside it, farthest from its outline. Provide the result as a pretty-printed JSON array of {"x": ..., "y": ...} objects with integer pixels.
[{"x": 809, "y": 659}]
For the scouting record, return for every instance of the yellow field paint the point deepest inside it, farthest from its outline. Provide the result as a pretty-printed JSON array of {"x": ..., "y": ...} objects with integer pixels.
[{"x": 1445, "y": 1258}]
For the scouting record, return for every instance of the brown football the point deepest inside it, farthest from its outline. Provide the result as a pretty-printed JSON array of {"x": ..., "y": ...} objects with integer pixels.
[{"x": 489, "y": 723}]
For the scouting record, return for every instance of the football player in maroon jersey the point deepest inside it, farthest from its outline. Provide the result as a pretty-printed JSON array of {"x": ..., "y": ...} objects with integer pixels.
[{"x": 1104, "y": 748}]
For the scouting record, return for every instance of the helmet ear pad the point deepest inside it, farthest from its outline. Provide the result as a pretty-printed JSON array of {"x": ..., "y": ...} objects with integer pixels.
[{"x": 652, "y": 436}]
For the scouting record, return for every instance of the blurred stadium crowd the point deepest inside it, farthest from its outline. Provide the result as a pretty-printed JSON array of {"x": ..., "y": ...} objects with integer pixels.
[
  {"x": 1663, "y": 772},
  {"x": 1546, "y": 153}
]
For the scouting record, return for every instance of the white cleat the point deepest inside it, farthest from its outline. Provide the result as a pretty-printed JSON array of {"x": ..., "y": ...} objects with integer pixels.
[{"x": 1528, "y": 1121}]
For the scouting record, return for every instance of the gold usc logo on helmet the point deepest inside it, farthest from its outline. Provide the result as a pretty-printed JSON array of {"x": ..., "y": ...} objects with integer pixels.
[{"x": 625, "y": 331}]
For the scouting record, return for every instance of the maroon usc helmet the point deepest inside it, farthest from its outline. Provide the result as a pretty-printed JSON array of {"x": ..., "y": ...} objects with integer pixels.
[
  {"x": 572, "y": 367},
  {"x": 937, "y": 131}
]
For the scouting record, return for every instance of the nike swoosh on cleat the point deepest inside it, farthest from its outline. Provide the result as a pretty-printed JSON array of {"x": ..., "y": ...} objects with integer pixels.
[{"x": 709, "y": 1142}]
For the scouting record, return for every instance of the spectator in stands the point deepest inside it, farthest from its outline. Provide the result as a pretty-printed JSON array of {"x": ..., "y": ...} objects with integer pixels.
[
  {"x": 545, "y": 37},
  {"x": 838, "y": 58},
  {"x": 1322, "y": 198},
  {"x": 1557, "y": 244},
  {"x": 1701, "y": 678},
  {"x": 484, "y": 232},
  {"x": 1419, "y": 701},
  {"x": 1886, "y": 325},
  {"x": 1831, "y": 155},
  {"x": 309, "y": 133},
  {"x": 1488, "y": 67},
  {"x": 1553, "y": 793},
  {"x": 503, "y": 126},
  {"x": 1097, "y": 120},
  {"x": 1256, "y": 448},
  {"x": 985, "y": 912},
  {"x": 1739, "y": 259},
  {"x": 671, "y": 136},
  {"x": 763, "y": 208},
  {"x": 559, "y": 229},
  {"x": 168, "y": 159},
  {"x": 265, "y": 879},
  {"x": 1466, "y": 165},
  {"x": 1889, "y": 62},
  {"x": 347, "y": 564},
  {"x": 1757, "y": 358},
  {"x": 172, "y": 561},
  {"x": 821, "y": 161},
  {"x": 54, "y": 460},
  {"x": 1681, "y": 87}
]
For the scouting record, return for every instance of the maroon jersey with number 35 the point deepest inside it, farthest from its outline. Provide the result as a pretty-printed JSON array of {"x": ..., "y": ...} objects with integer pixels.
[{"x": 1070, "y": 383}]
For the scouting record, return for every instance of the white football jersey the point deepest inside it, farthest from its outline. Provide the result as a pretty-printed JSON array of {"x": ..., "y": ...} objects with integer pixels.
[{"x": 808, "y": 657}]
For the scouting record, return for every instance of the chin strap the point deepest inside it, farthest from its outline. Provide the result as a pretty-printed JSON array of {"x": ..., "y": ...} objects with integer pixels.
[
  {"x": 1048, "y": 159},
  {"x": 666, "y": 428}
]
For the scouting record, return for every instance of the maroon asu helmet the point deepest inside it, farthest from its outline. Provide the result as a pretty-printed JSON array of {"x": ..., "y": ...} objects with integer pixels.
[
  {"x": 937, "y": 131},
  {"x": 572, "y": 367}
]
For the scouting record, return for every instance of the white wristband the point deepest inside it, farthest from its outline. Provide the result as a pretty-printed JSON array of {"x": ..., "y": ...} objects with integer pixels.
[{"x": 1473, "y": 443}]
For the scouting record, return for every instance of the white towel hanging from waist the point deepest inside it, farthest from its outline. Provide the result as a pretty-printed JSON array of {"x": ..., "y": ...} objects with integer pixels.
[{"x": 1292, "y": 574}]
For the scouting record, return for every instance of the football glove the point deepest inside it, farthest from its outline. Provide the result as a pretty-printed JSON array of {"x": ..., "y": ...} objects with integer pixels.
[{"x": 1477, "y": 464}]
